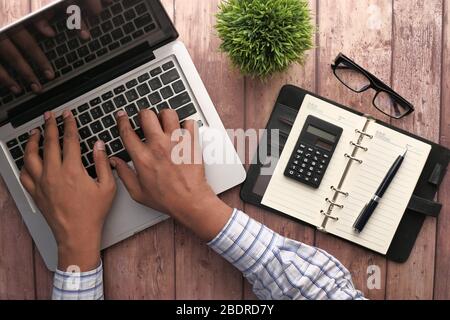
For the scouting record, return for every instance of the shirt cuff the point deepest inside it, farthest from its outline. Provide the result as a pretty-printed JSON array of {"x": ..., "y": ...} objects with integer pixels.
[
  {"x": 244, "y": 242},
  {"x": 78, "y": 285}
]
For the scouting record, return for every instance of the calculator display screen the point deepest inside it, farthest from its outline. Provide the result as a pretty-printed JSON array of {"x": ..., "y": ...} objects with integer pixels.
[
  {"x": 324, "y": 145},
  {"x": 321, "y": 134}
]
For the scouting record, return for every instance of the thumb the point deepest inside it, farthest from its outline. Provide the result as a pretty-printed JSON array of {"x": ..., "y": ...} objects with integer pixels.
[
  {"x": 128, "y": 177},
  {"x": 102, "y": 166}
]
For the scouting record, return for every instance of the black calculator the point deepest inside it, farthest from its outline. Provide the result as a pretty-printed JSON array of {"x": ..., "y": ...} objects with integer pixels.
[{"x": 313, "y": 152}]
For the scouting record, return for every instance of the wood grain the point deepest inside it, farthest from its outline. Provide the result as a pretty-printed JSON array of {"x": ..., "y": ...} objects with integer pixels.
[
  {"x": 362, "y": 31},
  {"x": 260, "y": 99},
  {"x": 442, "y": 275},
  {"x": 417, "y": 76},
  {"x": 16, "y": 248},
  {"x": 200, "y": 273}
]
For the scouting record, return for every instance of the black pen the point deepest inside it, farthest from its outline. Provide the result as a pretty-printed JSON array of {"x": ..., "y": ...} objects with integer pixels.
[{"x": 369, "y": 209}]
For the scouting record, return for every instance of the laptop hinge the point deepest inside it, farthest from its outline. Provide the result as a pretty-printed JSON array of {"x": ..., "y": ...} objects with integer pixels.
[{"x": 81, "y": 84}]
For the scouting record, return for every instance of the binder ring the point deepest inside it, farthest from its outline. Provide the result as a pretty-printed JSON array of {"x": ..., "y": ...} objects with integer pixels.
[
  {"x": 364, "y": 134},
  {"x": 359, "y": 146},
  {"x": 329, "y": 215},
  {"x": 334, "y": 204},
  {"x": 353, "y": 158},
  {"x": 345, "y": 194}
]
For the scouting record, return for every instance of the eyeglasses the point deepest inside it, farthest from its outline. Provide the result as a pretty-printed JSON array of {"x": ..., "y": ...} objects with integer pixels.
[{"x": 359, "y": 80}]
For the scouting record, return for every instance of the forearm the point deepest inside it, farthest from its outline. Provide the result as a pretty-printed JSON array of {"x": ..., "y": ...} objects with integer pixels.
[{"x": 280, "y": 268}]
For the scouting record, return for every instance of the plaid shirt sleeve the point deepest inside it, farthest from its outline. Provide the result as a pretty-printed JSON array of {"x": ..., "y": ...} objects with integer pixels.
[
  {"x": 78, "y": 286},
  {"x": 281, "y": 268}
]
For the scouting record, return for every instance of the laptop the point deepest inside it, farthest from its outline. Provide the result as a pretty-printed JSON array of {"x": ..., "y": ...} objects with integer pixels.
[{"x": 132, "y": 61}]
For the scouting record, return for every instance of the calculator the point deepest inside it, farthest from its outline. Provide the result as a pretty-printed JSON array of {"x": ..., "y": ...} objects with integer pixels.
[{"x": 313, "y": 152}]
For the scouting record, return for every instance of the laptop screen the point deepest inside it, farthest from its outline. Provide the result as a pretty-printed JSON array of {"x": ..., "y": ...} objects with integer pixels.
[{"x": 70, "y": 43}]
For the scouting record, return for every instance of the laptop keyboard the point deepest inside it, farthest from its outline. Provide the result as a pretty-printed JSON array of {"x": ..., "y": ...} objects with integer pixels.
[
  {"x": 119, "y": 23},
  {"x": 161, "y": 88}
]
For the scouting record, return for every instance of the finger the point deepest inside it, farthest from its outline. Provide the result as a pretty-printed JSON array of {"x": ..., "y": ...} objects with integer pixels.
[
  {"x": 94, "y": 7},
  {"x": 169, "y": 120},
  {"x": 128, "y": 177},
  {"x": 150, "y": 124},
  {"x": 52, "y": 150},
  {"x": 102, "y": 165},
  {"x": 32, "y": 160},
  {"x": 43, "y": 26},
  {"x": 27, "y": 182},
  {"x": 8, "y": 82},
  {"x": 193, "y": 129},
  {"x": 130, "y": 139},
  {"x": 71, "y": 146},
  {"x": 27, "y": 43},
  {"x": 10, "y": 53},
  {"x": 84, "y": 31}
]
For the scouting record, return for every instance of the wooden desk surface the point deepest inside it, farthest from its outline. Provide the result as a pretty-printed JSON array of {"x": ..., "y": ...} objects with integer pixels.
[{"x": 404, "y": 42}]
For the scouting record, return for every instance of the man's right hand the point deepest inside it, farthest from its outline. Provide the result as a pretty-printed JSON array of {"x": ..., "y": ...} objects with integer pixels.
[{"x": 159, "y": 182}]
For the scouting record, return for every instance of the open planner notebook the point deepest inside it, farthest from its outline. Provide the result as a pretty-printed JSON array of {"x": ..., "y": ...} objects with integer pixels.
[{"x": 348, "y": 184}]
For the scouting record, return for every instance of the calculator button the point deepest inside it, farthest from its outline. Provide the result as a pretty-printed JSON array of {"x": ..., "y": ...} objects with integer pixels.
[
  {"x": 318, "y": 153},
  {"x": 316, "y": 180},
  {"x": 307, "y": 179},
  {"x": 299, "y": 151},
  {"x": 295, "y": 168},
  {"x": 324, "y": 161},
  {"x": 326, "y": 156},
  {"x": 310, "y": 149},
  {"x": 301, "y": 170},
  {"x": 319, "y": 172},
  {"x": 305, "y": 160},
  {"x": 313, "y": 163},
  {"x": 309, "y": 174},
  {"x": 296, "y": 162},
  {"x": 321, "y": 166},
  {"x": 291, "y": 173},
  {"x": 316, "y": 159},
  {"x": 311, "y": 168},
  {"x": 308, "y": 155},
  {"x": 304, "y": 165},
  {"x": 302, "y": 146}
]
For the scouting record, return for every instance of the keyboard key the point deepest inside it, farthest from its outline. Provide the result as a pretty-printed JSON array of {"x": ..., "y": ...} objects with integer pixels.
[
  {"x": 143, "y": 104},
  {"x": 78, "y": 64},
  {"x": 51, "y": 55},
  {"x": 101, "y": 52},
  {"x": 61, "y": 130},
  {"x": 90, "y": 58},
  {"x": 16, "y": 153},
  {"x": 138, "y": 34},
  {"x": 143, "y": 20},
  {"x": 143, "y": 89},
  {"x": 167, "y": 92},
  {"x": 120, "y": 101},
  {"x": 85, "y": 118},
  {"x": 66, "y": 70},
  {"x": 95, "y": 102},
  {"x": 141, "y": 8},
  {"x": 91, "y": 142},
  {"x": 12, "y": 143},
  {"x": 129, "y": 28},
  {"x": 132, "y": 95},
  {"x": 85, "y": 162},
  {"x": 71, "y": 57},
  {"x": 108, "y": 107},
  {"x": 24, "y": 137},
  {"x": 143, "y": 77},
  {"x": 83, "y": 108},
  {"x": 179, "y": 100},
  {"x": 20, "y": 163},
  {"x": 116, "y": 9},
  {"x": 116, "y": 145},
  {"x": 131, "y": 110},
  {"x": 155, "y": 98},
  {"x": 106, "y": 39},
  {"x": 155, "y": 84},
  {"x": 96, "y": 127},
  {"x": 117, "y": 34},
  {"x": 114, "y": 46},
  {"x": 105, "y": 15},
  {"x": 97, "y": 113},
  {"x": 85, "y": 133},
  {"x": 162, "y": 106},
  {"x": 95, "y": 32},
  {"x": 83, "y": 148},
  {"x": 107, "y": 26},
  {"x": 129, "y": 14},
  {"x": 115, "y": 132},
  {"x": 150, "y": 27},
  {"x": 90, "y": 157},
  {"x": 126, "y": 40},
  {"x": 60, "y": 63},
  {"x": 83, "y": 51},
  {"x": 94, "y": 45},
  {"x": 105, "y": 136},
  {"x": 119, "y": 90},
  {"x": 107, "y": 95},
  {"x": 168, "y": 65},
  {"x": 140, "y": 133},
  {"x": 186, "y": 111},
  {"x": 130, "y": 3},
  {"x": 156, "y": 72},
  {"x": 131, "y": 84},
  {"x": 178, "y": 86},
  {"x": 118, "y": 20},
  {"x": 108, "y": 121},
  {"x": 62, "y": 49},
  {"x": 170, "y": 76}
]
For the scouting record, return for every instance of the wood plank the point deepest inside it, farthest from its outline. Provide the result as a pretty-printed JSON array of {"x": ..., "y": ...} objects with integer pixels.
[
  {"x": 16, "y": 248},
  {"x": 442, "y": 275},
  {"x": 260, "y": 99},
  {"x": 361, "y": 30},
  {"x": 417, "y": 76},
  {"x": 200, "y": 273},
  {"x": 142, "y": 267}
]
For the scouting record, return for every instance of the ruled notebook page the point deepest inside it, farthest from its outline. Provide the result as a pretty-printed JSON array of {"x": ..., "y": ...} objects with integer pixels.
[
  {"x": 294, "y": 198},
  {"x": 363, "y": 181}
]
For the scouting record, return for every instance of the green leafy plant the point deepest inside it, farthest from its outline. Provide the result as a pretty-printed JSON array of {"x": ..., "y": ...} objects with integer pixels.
[{"x": 265, "y": 36}]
